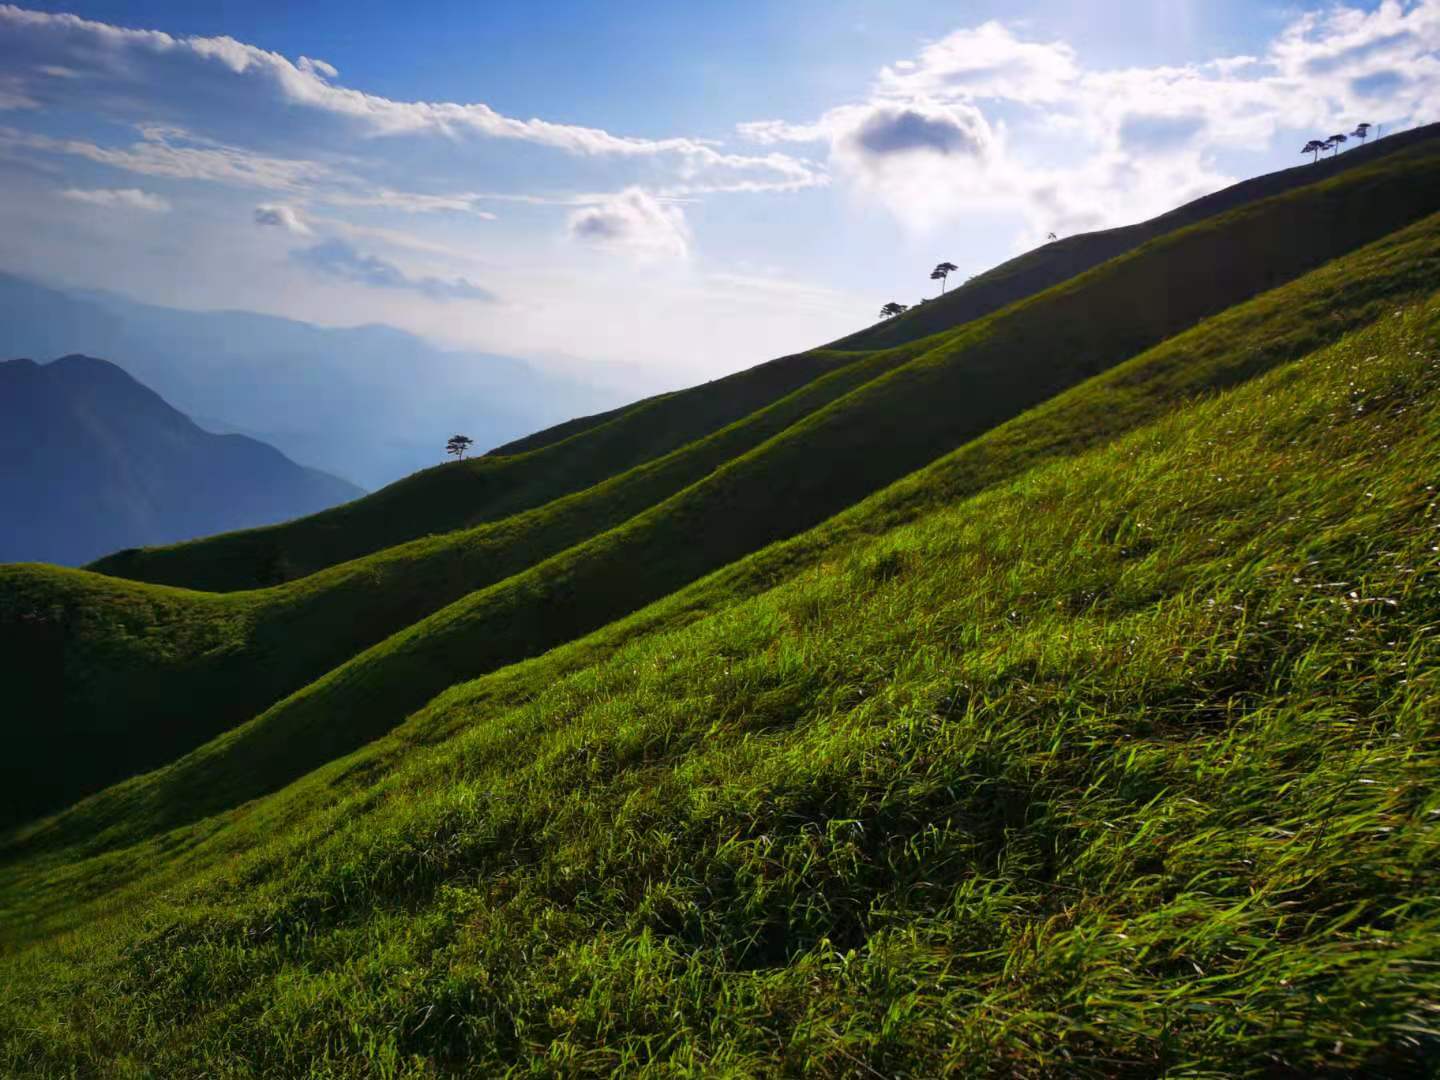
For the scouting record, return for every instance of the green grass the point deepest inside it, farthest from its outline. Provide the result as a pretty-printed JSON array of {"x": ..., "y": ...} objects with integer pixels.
[
  {"x": 373, "y": 639},
  {"x": 1123, "y": 766}
]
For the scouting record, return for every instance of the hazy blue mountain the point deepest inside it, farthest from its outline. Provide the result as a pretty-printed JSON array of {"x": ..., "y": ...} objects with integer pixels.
[
  {"x": 96, "y": 462},
  {"x": 369, "y": 403}
]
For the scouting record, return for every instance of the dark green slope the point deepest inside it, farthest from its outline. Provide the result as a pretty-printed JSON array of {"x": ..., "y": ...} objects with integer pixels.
[
  {"x": 572, "y": 456},
  {"x": 1060, "y": 260},
  {"x": 598, "y": 581},
  {"x": 1123, "y": 768}
]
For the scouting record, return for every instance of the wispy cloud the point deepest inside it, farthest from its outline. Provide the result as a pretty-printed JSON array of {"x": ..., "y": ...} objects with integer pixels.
[
  {"x": 338, "y": 259},
  {"x": 126, "y": 198}
]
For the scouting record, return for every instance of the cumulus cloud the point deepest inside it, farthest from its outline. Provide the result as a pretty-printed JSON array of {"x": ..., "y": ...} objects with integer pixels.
[
  {"x": 127, "y": 198},
  {"x": 339, "y": 260},
  {"x": 280, "y": 216},
  {"x": 634, "y": 222},
  {"x": 911, "y": 128},
  {"x": 1146, "y": 136}
]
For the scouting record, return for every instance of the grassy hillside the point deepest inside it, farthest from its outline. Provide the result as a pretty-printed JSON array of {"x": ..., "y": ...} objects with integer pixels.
[
  {"x": 370, "y": 692},
  {"x": 129, "y": 695},
  {"x": 1039, "y": 269},
  {"x": 137, "y": 657},
  {"x": 479, "y": 490},
  {"x": 1122, "y": 767},
  {"x": 571, "y": 456}
]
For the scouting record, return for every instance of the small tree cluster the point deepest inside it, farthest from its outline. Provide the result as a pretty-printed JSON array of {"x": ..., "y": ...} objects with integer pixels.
[{"x": 1316, "y": 147}]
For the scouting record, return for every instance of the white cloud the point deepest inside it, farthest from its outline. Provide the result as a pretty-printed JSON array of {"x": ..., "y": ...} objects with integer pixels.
[
  {"x": 987, "y": 61},
  {"x": 634, "y": 222},
  {"x": 922, "y": 144},
  {"x": 125, "y": 55},
  {"x": 128, "y": 198},
  {"x": 280, "y": 216},
  {"x": 178, "y": 155}
]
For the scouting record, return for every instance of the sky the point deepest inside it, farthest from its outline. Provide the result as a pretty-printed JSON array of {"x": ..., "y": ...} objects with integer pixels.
[{"x": 669, "y": 191}]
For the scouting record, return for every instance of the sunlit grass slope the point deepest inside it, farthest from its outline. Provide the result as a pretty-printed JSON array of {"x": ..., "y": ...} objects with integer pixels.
[
  {"x": 131, "y": 688},
  {"x": 342, "y": 712},
  {"x": 1123, "y": 767},
  {"x": 574, "y": 455},
  {"x": 1058, "y": 260}
]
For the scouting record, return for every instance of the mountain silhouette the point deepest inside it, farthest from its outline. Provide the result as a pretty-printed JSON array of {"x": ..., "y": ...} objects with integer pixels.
[{"x": 95, "y": 462}]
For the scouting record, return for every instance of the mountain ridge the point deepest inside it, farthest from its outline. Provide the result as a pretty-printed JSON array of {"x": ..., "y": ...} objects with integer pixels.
[{"x": 100, "y": 461}]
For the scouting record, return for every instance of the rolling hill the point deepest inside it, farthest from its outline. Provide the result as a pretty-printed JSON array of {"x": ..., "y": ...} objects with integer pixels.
[
  {"x": 95, "y": 461},
  {"x": 374, "y": 638},
  {"x": 1044, "y": 692}
]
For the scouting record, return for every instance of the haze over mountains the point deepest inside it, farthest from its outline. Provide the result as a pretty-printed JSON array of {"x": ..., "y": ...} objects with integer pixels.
[
  {"x": 95, "y": 462},
  {"x": 370, "y": 404}
]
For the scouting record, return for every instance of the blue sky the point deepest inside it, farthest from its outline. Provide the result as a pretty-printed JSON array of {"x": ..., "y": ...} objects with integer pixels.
[{"x": 665, "y": 190}]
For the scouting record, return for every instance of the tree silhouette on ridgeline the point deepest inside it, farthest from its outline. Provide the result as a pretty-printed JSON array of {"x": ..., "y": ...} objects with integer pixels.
[
  {"x": 1314, "y": 146},
  {"x": 457, "y": 446},
  {"x": 941, "y": 273},
  {"x": 1335, "y": 140},
  {"x": 890, "y": 310},
  {"x": 1361, "y": 132}
]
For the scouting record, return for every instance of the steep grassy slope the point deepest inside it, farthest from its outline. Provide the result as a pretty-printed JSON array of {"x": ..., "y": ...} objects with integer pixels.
[
  {"x": 1059, "y": 260},
  {"x": 1122, "y": 768},
  {"x": 131, "y": 659},
  {"x": 571, "y": 456},
  {"x": 987, "y": 371},
  {"x": 299, "y": 735}
]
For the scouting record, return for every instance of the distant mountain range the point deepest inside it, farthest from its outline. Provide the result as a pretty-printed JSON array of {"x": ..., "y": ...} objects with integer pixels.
[
  {"x": 369, "y": 403},
  {"x": 96, "y": 462}
]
